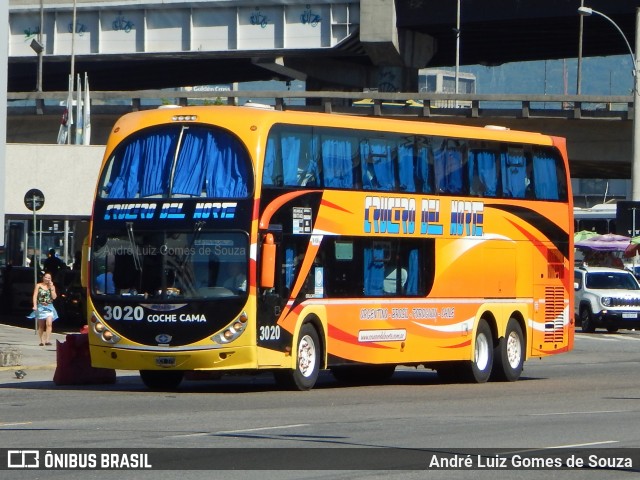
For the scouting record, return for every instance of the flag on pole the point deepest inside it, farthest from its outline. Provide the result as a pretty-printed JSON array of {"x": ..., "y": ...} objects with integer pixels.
[
  {"x": 79, "y": 118},
  {"x": 67, "y": 116},
  {"x": 87, "y": 112}
]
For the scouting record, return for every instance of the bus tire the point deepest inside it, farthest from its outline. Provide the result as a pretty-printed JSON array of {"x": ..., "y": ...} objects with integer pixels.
[
  {"x": 308, "y": 358},
  {"x": 508, "y": 357},
  {"x": 479, "y": 368},
  {"x": 161, "y": 379}
]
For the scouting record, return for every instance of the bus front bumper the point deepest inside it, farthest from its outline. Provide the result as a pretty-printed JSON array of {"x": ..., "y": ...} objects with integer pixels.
[{"x": 241, "y": 358}]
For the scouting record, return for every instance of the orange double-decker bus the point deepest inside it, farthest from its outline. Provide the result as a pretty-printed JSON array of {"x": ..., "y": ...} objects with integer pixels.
[{"x": 234, "y": 239}]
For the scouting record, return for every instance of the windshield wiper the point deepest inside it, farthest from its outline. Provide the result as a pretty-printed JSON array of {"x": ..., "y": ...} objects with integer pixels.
[
  {"x": 134, "y": 248},
  {"x": 197, "y": 230}
]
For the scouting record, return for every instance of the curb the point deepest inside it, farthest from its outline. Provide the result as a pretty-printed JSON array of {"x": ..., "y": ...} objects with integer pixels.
[{"x": 51, "y": 366}]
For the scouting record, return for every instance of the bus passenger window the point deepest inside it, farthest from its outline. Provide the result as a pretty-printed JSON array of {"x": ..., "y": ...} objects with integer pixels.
[
  {"x": 545, "y": 177},
  {"x": 337, "y": 162},
  {"x": 514, "y": 173},
  {"x": 391, "y": 281},
  {"x": 483, "y": 173},
  {"x": 448, "y": 172},
  {"x": 377, "y": 166},
  {"x": 407, "y": 168},
  {"x": 375, "y": 260}
]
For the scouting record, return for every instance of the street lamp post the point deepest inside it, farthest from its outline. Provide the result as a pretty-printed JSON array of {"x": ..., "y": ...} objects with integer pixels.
[
  {"x": 635, "y": 164},
  {"x": 457, "y": 51}
]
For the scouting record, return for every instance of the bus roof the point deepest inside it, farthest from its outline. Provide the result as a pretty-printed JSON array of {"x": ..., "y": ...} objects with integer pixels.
[{"x": 240, "y": 115}]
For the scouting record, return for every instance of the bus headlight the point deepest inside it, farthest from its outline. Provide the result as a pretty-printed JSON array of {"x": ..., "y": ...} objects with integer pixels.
[
  {"x": 232, "y": 331},
  {"x": 101, "y": 330}
]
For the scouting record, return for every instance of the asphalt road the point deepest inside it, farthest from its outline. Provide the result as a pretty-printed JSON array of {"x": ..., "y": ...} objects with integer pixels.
[{"x": 589, "y": 398}]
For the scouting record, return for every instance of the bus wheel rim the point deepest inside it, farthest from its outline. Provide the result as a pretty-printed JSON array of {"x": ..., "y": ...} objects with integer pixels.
[
  {"x": 482, "y": 352},
  {"x": 514, "y": 350},
  {"x": 306, "y": 356}
]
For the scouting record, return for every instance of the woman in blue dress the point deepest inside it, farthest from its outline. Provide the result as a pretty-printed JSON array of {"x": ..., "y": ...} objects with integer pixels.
[{"x": 44, "y": 294}]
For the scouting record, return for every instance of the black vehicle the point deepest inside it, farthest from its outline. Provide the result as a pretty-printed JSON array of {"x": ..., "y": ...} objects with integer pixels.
[
  {"x": 17, "y": 289},
  {"x": 72, "y": 298}
]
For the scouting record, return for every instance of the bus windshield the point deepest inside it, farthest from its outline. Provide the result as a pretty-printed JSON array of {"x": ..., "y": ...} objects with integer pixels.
[{"x": 169, "y": 265}]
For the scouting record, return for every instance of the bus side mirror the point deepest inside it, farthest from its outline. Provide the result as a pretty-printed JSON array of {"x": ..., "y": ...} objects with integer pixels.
[{"x": 268, "y": 262}]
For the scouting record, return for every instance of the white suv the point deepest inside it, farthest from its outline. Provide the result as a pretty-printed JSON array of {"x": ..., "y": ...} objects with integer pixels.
[{"x": 606, "y": 297}]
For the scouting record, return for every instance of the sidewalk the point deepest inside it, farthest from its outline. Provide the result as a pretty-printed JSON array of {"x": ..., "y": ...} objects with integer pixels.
[{"x": 23, "y": 344}]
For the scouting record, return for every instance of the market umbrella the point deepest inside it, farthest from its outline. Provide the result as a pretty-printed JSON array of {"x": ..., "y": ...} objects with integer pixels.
[
  {"x": 605, "y": 243},
  {"x": 584, "y": 235}
]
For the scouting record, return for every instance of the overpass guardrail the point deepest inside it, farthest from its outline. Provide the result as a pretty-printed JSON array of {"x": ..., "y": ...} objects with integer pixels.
[{"x": 403, "y": 104}]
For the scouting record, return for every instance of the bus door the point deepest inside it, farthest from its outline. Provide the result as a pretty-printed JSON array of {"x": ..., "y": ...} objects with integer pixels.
[{"x": 272, "y": 295}]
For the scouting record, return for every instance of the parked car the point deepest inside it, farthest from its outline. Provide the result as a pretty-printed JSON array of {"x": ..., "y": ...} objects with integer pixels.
[{"x": 606, "y": 298}]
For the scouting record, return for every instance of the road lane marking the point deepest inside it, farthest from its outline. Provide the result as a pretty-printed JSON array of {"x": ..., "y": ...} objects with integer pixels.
[
  {"x": 590, "y": 444},
  {"x": 279, "y": 427},
  {"x": 227, "y": 432},
  {"x": 607, "y": 337},
  {"x": 576, "y": 413},
  {"x": 590, "y": 336}
]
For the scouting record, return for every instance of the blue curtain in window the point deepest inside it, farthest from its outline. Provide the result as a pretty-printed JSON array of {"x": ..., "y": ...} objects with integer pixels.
[
  {"x": 514, "y": 175},
  {"x": 227, "y": 174},
  {"x": 289, "y": 267},
  {"x": 448, "y": 169},
  {"x": 373, "y": 271},
  {"x": 482, "y": 165},
  {"x": 377, "y": 166},
  {"x": 148, "y": 161},
  {"x": 127, "y": 179},
  {"x": 190, "y": 166},
  {"x": 156, "y": 162},
  {"x": 337, "y": 163},
  {"x": 545, "y": 178},
  {"x": 411, "y": 287},
  {"x": 309, "y": 174},
  {"x": 270, "y": 159},
  {"x": 290, "y": 147},
  {"x": 406, "y": 173},
  {"x": 422, "y": 169}
]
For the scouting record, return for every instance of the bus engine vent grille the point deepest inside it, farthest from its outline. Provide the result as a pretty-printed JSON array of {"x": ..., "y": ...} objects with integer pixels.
[{"x": 554, "y": 315}]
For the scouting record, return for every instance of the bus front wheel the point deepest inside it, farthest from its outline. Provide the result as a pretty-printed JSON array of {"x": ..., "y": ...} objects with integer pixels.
[
  {"x": 509, "y": 354},
  {"x": 161, "y": 379},
  {"x": 482, "y": 363},
  {"x": 308, "y": 356}
]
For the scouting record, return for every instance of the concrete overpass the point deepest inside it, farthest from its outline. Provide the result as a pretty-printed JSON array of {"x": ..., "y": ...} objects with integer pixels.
[{"x": 340, "y": 45}]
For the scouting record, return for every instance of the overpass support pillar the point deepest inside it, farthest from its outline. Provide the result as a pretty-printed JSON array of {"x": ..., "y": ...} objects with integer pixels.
[{"x": 396, "y": 53}]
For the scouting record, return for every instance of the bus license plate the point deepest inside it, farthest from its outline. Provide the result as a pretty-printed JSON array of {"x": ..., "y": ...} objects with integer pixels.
[
  {"x": 166, "y": 361},
  {"x": 629, "y": 315}
]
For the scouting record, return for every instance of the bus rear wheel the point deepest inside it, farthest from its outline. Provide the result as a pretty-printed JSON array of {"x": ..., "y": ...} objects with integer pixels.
[
  {"x": 161, "y": 379},
  {"x": 480, "y": 367},
  {"x": 509, "y": 354},
  {"x": 308, "y": 355}
]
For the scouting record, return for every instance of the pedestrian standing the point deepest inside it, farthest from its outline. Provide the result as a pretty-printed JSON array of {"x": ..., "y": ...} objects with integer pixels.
[{"x": 44, "y": 294}]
